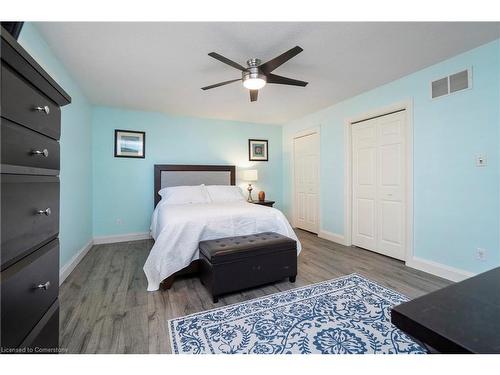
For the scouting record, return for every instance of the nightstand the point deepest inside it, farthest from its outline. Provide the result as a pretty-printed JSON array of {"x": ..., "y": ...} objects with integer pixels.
[{"x": 264, "y": 203}]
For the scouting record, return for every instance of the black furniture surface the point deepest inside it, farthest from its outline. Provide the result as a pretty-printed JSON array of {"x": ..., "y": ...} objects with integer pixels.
[
  {"x": 460, "y": 318},
  {"x": 29, "y": 256},
  {"x": 14, "y": 28},
  {"x": 236, "y": 263},
  {"x": 264, "y": 203}
]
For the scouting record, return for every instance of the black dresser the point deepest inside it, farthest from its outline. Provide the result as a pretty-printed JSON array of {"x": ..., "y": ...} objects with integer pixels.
[{"x": 30, "y": 131}]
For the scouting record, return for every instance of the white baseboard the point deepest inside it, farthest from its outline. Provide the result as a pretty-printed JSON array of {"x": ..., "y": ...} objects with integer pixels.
[
  {"x": 66, "y": 270},
  {"x": 439, "y": 269},
  {"x": 434, "y": 268},
  {"x": 334, "y": 237},
  {"x": 122, "y": 238},
  {"x": 70, "y": 266}
]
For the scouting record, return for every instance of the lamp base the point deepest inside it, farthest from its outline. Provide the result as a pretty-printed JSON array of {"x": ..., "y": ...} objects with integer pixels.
[{"x": 250, "y": 188}]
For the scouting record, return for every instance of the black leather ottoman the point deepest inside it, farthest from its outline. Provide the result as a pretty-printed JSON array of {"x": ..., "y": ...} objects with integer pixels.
[{"x": 235, "y": 263}]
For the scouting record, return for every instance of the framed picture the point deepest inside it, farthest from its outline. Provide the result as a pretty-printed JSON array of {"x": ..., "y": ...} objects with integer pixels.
[
  {"x": 130, "y": 144},
  {"x": 257, "y": 150}
]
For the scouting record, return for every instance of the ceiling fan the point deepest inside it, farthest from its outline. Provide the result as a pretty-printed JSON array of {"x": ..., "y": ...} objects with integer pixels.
[{"x": 256, "y": 75}]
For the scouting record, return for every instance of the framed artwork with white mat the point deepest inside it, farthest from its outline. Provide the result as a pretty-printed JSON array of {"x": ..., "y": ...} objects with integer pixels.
[
  {"x": 130, "y": 144},
  {"x": 258, "y": 150}
]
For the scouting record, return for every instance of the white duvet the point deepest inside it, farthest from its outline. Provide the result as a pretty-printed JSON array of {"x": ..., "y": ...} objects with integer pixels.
[{"x": 178, "y": 228}]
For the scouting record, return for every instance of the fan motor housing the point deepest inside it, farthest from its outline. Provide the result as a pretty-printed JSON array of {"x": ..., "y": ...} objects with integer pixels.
[{"x": 253, "y": 71}]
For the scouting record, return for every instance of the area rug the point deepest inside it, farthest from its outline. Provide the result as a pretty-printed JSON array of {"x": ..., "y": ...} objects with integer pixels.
[{"x": 348, "y": 315}]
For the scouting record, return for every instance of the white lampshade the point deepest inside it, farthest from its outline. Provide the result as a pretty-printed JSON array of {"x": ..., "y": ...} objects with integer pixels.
[{"x": 250, "y": 175}]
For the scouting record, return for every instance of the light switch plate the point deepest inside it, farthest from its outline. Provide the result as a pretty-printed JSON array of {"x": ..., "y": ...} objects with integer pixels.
[{"x": 481, "y": 254}]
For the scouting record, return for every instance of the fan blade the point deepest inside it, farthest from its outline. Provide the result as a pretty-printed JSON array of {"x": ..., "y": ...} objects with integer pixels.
[
  {"x": 273, "y": 78},
  {"x": 225, "y": 60},
  {"x": 220, "y": 84},
  {"x": 269, "y": 66},
  {"x": 253, "y": 95}
]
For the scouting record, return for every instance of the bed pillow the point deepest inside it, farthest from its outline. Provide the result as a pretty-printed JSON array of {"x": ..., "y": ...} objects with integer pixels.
[
  {"x": 184, "y": 194},
  {"x": 225, "y": 193}
]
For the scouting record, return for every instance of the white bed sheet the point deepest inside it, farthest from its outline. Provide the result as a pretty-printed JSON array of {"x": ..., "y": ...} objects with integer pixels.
[{"x": 177, "y": 230}]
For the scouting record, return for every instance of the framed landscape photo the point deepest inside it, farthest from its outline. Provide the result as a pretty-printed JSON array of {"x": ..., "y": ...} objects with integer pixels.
[
  {"x": 257, "y": 150},
  {"x": 130, "y": 144}
]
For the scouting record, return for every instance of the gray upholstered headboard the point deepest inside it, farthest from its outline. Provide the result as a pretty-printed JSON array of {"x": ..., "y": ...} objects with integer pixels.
[{"x": 167, "y": 175}]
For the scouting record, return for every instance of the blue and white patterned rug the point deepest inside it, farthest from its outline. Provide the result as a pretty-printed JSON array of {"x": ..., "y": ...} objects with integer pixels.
[{"x": 346, "y": 315}]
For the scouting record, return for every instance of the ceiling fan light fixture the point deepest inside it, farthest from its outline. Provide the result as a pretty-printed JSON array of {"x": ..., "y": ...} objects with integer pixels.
[
  {"x": 253, "y": 79},
  {"x": 254, "y": 83},
  {"x": 257, "y": 75}
]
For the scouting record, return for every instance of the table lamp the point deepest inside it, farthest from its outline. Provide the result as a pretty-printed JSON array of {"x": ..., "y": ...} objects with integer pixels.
[{"x": 250, "y": 175}]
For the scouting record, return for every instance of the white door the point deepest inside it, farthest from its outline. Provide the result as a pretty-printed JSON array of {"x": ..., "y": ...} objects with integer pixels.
[
  {"x": 378, "y": 182},
  {"x": 306, "y": 182},
  {"x": 364, "y": 194}
]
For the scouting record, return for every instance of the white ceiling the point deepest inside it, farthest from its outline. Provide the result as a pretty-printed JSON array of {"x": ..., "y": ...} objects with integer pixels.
[{"x": 161, "y": 66}]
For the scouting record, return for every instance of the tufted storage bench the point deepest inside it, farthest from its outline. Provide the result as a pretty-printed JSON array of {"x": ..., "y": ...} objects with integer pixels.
[{"x": 235, "y": 263}]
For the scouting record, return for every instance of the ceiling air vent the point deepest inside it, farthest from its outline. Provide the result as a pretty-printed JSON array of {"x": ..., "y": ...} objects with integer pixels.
[{"x": 453, "y": 83}]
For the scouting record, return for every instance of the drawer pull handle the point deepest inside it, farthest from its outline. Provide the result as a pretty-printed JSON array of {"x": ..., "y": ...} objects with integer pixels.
[
  {"x": 44, "y": 152},
  {"x": 44, "y": 109},
  {"x": 43, "y": 286},
  {"x": 45, "y": 212}
]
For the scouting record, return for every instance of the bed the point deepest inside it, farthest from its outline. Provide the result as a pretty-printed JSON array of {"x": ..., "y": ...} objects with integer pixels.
[{"x": 178, "y": 228}]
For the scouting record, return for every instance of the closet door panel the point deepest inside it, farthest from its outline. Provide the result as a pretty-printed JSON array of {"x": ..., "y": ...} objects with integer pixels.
[
  {"x": 306, "y": 182},
  {"x": 378, "y": 184},
  {"x": 364, "y": 153},
  {"x": 391, "y": 185}
]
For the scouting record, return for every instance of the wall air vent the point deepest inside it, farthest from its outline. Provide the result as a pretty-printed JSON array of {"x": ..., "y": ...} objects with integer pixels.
[
  {"x": 453, "y": 83},
  {"x": 440, "y": 87}
]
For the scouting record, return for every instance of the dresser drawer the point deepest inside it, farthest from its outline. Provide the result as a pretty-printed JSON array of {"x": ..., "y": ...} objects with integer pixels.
[
  {"x": 44, "y": 338},
  {"x": 27, "y": 152},
  {"x": 29, "y": 288},
  {"x": 24, "y": 104},
  {"x": 30, "y": 214}
]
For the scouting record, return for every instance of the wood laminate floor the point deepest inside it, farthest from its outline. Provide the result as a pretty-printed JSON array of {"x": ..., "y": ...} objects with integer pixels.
[{"x": 105, "y": 307}]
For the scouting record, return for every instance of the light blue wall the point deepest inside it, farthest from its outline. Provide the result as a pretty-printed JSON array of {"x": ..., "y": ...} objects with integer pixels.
[
  {"x": 123, "y": 187},
  {"x": 456, "y": 205},
  {"x": 76, "y": 176}
]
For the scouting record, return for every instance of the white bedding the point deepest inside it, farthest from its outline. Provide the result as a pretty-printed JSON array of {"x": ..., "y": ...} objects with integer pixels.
[{"x": 177, "y": 230}]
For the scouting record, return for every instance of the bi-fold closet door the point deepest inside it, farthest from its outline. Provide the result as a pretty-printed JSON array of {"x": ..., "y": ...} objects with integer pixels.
[
  {"x": 306, "y": 182},
  {"x": 378, "y": 184}
]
